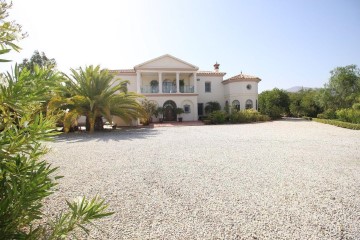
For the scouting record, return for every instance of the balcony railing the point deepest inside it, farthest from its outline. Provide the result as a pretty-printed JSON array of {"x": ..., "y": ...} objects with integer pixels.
[
  {"x": 149, "y": 89},
  {"x": 187, "y": 89},
  {"x": 167, "y": 89}
]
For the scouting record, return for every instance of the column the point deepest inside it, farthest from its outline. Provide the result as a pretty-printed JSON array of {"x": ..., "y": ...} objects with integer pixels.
[
  {"x": 138, "y": 82},
  {"x": 195, "y": 82},
  {"x": 177, "y": 83},
  {"x": 160, "y": 83}
]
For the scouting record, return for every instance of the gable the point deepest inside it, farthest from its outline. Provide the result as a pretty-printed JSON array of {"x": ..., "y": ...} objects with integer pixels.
[{"x": 166, "y": 62}]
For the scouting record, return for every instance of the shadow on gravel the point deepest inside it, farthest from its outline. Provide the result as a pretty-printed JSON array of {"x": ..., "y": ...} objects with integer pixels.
[
  {"x": 107, "y": 135},
  {"x": 290, "y": 119}
]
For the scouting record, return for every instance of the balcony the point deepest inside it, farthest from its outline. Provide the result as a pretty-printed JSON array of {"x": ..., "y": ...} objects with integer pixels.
[
  {"x": 187, "y": 89},
  {"x": 149, "y": 89},
  {"x": 167, "y": 89}
]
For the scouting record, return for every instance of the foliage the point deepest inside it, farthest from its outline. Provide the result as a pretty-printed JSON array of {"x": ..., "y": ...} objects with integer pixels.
[
  {"x": 274, "y": 103},
  {"x": 217, "y": 117},
  {"x": 247, "y": 116},
  {"x": 25, "y": 91},
  {"x": 343, "y": 88},
  {"x": 179, "y": 111},
  {"x": 211, "y": 107},
  {"x": 38, "y": 59},
  {"x": 337, "y": 123},
  {"x": 304, "y": 103},
  {"x": 351, "y": 115},
  {"x": 10, "y": 31},
  {"x": 150, "y": 108},
  {"x": 94, "y": 93},
  {"x": 25, "y": 177},
  {"x": 328, "y": 114},
  {"x": 238, "y": 116}
]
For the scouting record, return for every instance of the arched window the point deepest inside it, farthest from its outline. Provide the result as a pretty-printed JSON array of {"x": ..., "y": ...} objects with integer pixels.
[
  {"x": 249, "y": 104},
  {"x": 236, "y": 105},
  {"x": 154, "y": 84}
]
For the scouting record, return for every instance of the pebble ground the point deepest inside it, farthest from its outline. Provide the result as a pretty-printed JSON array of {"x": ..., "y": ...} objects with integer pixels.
[{"x": 274, "y": 180}]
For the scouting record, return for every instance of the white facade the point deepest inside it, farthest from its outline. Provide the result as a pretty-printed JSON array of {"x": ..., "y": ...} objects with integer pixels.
[{"x": 184, "y": 86}]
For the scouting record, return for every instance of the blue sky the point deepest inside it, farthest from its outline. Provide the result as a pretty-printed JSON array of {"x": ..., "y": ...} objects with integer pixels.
[{"x": 285, "y": 43}]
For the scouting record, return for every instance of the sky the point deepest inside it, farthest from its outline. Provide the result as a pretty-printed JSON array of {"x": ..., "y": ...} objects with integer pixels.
[{"x": 284, "y": 42}]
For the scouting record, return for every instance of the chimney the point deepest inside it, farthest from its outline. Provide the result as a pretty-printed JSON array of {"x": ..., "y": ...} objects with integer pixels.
[{"x": 216, "y": 67}]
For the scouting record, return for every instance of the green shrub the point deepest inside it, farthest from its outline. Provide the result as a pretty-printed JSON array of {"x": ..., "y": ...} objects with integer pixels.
[
  {"x": 247, "y": 116},
  {"x": 356, "y": 106},
  {"x": 217, "y": 117},
  {"x": 348, "y": 115},
  {"x": 337, "y": 123},
  {"x": 328, "y": 114}
]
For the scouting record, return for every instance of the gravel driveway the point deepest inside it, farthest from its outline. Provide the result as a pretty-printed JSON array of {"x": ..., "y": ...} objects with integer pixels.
[{"x": 275, "y": 180}]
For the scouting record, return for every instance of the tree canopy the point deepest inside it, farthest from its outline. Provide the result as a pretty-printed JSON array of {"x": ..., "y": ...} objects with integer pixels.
[
  {"x": 39, "y": 59},
  {"x": 343, "y": 88},
  {"x": 274, "y": 103}
]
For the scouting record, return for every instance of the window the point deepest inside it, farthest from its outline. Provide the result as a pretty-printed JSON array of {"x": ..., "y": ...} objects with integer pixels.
[
  {"x": 236, "y": 105},
  {"x": 248, "y": 86},
  {"x": 208, "y": 87},
  {"x": 154, "y": 84},
  {"x": 187, "y": 108},
  {"x": 249, "y": 104}
]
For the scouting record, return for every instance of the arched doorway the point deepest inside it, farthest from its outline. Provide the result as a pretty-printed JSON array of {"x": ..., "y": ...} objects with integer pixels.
[{"x": 169, "y": 111}]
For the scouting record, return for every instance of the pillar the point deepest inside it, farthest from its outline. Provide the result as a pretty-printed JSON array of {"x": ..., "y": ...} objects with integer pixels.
[
  {"x": 195, "y": 82},
  {"x": 138, "y": 82},
  {"x": 160, "y": 83},
  {"x": 177, "y": 82}
]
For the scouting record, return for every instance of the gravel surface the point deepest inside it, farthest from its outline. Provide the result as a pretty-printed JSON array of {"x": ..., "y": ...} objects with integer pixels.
[{"x": 275, "y": 180}]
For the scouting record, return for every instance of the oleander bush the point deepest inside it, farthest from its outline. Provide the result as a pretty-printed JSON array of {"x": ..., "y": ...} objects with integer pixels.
[{"x": 26, "y": 178}]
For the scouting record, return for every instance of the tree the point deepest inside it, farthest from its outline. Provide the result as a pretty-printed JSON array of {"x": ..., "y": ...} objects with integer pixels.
[
  {"x": 211, "y": 107},
  {"x": 304, "y": 103},
  {"x": 274, "y": 103},
  {"x": 94, "y": 93},
  {"x": 10, "y": 31},
  {"x": 343, "y": 88},
  {"x": 38, "y": 59}
]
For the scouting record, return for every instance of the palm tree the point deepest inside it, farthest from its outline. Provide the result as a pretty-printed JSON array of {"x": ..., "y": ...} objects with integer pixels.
[{"x": 95, "y": 93}]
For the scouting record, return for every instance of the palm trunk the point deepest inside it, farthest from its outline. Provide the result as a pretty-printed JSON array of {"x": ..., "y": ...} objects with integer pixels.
[{"x": 90, "y": 124}]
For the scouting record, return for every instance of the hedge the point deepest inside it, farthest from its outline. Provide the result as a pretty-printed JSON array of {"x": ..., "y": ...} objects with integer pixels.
[{"x": 337, "y": 123}]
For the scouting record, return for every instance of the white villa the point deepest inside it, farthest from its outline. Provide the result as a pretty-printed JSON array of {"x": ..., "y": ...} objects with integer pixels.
[{"x": 173, "y": 83}]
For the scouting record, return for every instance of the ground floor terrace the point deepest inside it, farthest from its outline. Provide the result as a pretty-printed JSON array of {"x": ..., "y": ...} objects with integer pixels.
[{"x": 273, "y": 180}]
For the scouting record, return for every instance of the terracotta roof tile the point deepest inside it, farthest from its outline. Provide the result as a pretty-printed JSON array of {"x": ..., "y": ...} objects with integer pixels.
[
  {"x": 242, "y": 76},
  {"x": 122, "y": 71},
  {"x": 208, "y": 73}
]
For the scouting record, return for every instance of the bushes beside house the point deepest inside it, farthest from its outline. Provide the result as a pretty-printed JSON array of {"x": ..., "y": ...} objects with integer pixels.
[{"x": 242, "y": 116}]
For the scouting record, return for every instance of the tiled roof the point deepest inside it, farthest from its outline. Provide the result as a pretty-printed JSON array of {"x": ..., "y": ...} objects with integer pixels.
[
  {"x": 242, "y": 76},
  {"x": 122, "y": 71},
  {"x": 209, "y": 73}
]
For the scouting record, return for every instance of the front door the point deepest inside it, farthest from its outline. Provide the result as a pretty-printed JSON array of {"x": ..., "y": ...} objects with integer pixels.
[{"x": 169, "y": 111}]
